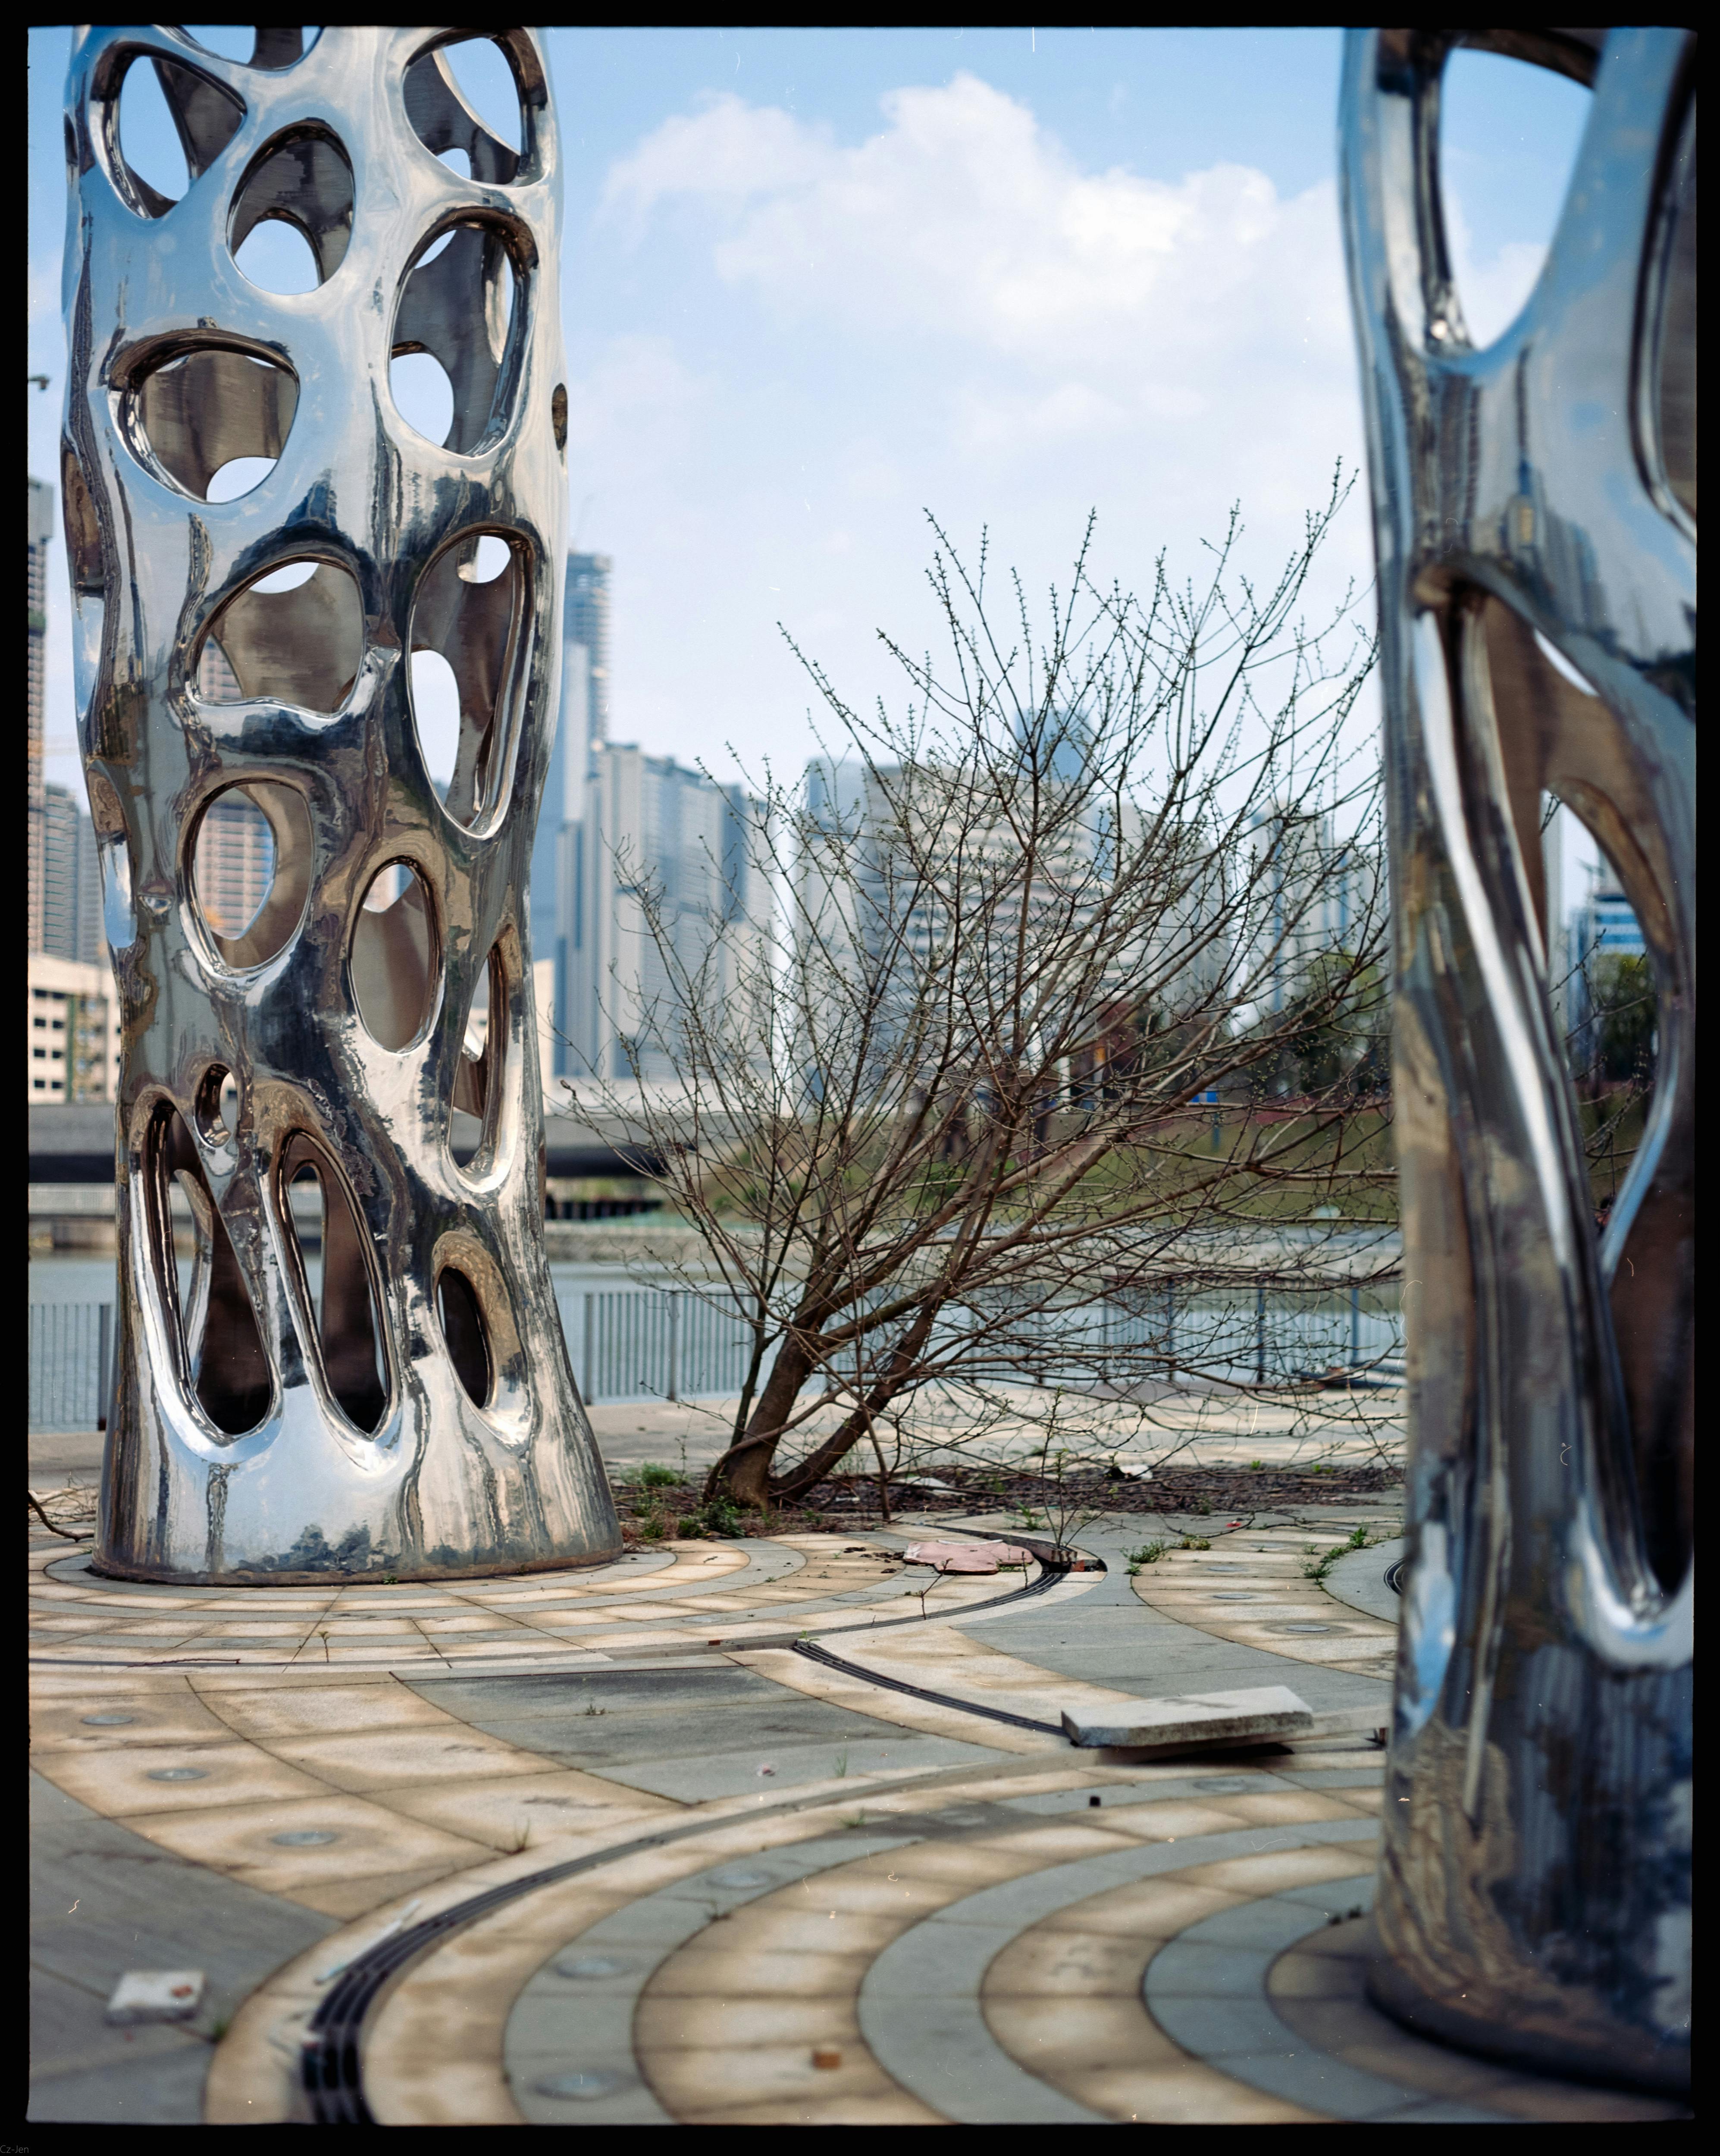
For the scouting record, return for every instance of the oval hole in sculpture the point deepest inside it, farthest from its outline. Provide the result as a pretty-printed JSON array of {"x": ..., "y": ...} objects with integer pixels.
[
  {"x": 148, "y": 140},
  {"x": 292, "y": 215},
  {"x": 217, "y": 1107},
  {"x": 295, "y": 635},
  {"x": 174, "y": 122},
  {"x": 1509, "y": 133},
  {"x": 278, "y": 258},
  {"x": 474, "y": 623},
  {"x": 395, "y": 957},
  {"x": 193, "y": 414},
  {"x": 461, "y": 1316},
  {"x": 464, "y": 96},
  {"x": 239, "y": 477},
  {"x": 460, "y": 306},
  {"x": 251, "y": 864},
  {"x": 436, "y": 714},
  {"x": 483, "y": 1047},
  {"x": 218, "y": 1346},
  {"x": 457, "y": 161},
  {"x": 423, "y": 395},
  {"x": 342, "y": 1304}
]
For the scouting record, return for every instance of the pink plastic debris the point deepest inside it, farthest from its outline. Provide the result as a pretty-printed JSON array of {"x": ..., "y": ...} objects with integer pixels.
[{"x": 966, "y": 1556}]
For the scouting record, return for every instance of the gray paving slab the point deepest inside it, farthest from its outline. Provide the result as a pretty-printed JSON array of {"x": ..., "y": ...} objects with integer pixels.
[
  {"x": 661, "y": 1716},
  {"x": 919, "y": 2005},
  {"x": 700, "y": 1776},
  {"x": 1358, "y": 1580},
  {"x": 104, "y": 1900}
]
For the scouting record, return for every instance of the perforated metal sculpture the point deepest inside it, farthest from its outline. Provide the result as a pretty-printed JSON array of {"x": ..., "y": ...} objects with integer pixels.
[
  {"x": 413, "y": 1412},
  {"x": 1537, "y": 497}
]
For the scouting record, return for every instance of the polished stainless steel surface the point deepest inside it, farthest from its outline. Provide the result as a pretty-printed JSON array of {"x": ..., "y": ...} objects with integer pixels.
[
  {"x": 1537, "y": 497},
  {"x": 413, "y": 1414}
]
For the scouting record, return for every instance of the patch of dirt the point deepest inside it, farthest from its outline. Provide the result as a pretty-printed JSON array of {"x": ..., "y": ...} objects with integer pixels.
[{"x": 679, "y": 1510}]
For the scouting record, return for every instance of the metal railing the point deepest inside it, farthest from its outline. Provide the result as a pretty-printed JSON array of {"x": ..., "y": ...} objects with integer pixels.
[
  {"x": 672, "y": 1344},
  {"x": 71, "y": 1364}
]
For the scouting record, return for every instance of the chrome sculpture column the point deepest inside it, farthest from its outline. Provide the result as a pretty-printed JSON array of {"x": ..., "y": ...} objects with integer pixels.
[
  {"x": 411, "y": 1412},
  {"x": 1534, "y": 515}
]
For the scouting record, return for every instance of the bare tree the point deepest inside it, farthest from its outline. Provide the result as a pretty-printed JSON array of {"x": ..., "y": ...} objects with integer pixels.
[{"x": 1070, "y": 1006}]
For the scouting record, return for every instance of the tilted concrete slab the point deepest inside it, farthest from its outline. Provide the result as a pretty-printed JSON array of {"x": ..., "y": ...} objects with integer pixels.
[{"x": 1211, "y": 1718}]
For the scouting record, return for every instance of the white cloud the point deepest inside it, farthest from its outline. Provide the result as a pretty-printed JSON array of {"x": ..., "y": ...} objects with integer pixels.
[
  {"x": 958, "y": 315},
  {"x": 963, "y": 218}
]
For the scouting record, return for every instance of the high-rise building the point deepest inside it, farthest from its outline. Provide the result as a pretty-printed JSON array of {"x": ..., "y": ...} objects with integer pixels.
[
  {"x": 584, "y": 619},
  {"x": 235, "y": 863},
  {"x": 39, "y": 530},
  {"x": 655, "y": 837},
  {"x": 71, "y": 1032},
  {"x": 71, "y": 881}
]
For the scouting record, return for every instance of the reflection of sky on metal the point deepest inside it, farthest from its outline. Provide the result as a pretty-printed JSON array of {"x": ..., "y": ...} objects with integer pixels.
[{"x": 749, "y": 455}]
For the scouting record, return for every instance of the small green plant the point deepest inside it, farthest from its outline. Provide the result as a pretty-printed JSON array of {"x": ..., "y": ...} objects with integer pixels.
[
  {"x": 654, "y": 1478},
  {"x": 218, "y": 2028},
  {"x": 592, "y": 1707},
  {"x": 1257, "y": 1464},
  {"x": 719, "y": 1518},
  {"x": 1359, "y": 1538},
  {"x": 391, "y": 1580},
  {"x": 1203, "y": 1505},
  {"x": 841, "y": 1765},
  {"x": 1148, "y": 1554},
  {"x": 853, "y": 1819},
  {"x": 1195, "y": 1542},
  {"x": 1316, "y": 1567},
  {"x": 652, "y": 1526}
]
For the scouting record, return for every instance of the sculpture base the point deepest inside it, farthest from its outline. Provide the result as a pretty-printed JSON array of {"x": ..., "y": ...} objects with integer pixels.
[
  {"x": 1663, "y": 2073},
  {"x": 333, "y": 1576}
]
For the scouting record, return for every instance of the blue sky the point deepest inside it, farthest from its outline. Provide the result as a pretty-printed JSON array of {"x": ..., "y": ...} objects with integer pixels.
[{"x": 814, "y": 283}]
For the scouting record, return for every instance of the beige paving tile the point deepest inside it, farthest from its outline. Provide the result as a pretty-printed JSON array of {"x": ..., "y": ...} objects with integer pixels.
[
  {"x": 1056, "y": 1844},
  {"x": 1279, "y": 1870},
  {"x": 371, "y": 1841},
  {"x": 893, "y": 2108},
  {"x": 969, "y": 1865},
  {"x": 1153, "y": 1909},
  {"x": 1174, "y": 1819},
  {"x": 355, "y": 1897},
  {"x": 692, "y": 2081},
  {"x": 443, "y": 2090},
  {"x": 547, "y": 1807},
  {"x": 1182, "y": 2093},
  {"x": 1064, "y": 2039},
  {"x": 407, "y": 1757},
  {"x": 670, "y": 2020},
  {"x": 869, "y": 1894},
  {"x": 799, "y": 1924},
  {"x": 157, "y": 1718},
  {"x": 328, "y": 1709},
  {"x": 1044, "y": 1964},
  {"x": 1292, "y": 1807},
  {"x": 721, "y": 1973},
  {"x": 118, "y": 1781}
]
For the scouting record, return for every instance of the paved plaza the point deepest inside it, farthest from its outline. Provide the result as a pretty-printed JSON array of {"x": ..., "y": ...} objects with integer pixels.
[{"x": 606, "y": 1848}]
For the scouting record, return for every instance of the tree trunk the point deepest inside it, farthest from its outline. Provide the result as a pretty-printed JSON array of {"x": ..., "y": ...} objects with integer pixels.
[{"x": 742, "y": 1473}]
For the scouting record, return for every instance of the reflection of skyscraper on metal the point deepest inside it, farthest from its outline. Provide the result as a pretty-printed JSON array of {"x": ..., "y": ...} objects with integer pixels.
[
  {"x": 1534, "y": 1893},
  {"x": 301, "y": 920},
  {"x": 39, "y": 531}
]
